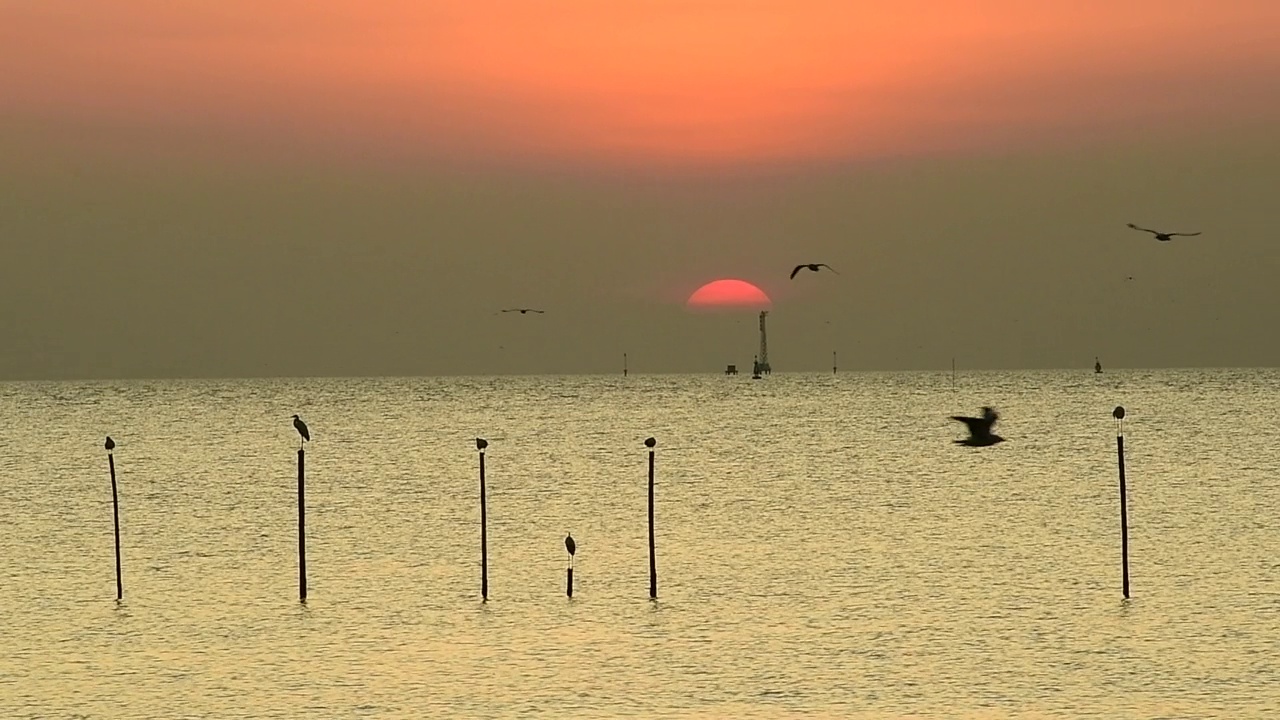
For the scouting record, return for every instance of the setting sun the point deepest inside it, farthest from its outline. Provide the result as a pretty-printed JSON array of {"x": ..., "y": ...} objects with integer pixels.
[{"x": 729, "y": 293}]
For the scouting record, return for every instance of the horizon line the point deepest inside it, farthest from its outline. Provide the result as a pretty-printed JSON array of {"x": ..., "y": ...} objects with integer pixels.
[{"x": 864, "y": 371}]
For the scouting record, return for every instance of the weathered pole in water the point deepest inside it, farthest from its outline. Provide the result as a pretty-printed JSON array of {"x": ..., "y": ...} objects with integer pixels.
[
  {"x": 624, "y": 364},
  {"x": 115, "y": 515},
  {"x": 572, "y": 547},
  {"x": 302, "y": 525},
  {"x": 653, "y": 556},
  {"x": 481, "y": 444},
  {"x": 1118, "y": 414},
  {"x": 833, "y": 362}
]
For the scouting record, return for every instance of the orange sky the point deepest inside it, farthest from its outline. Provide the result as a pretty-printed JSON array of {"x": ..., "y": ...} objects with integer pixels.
[{"x": 638, "y": 80}]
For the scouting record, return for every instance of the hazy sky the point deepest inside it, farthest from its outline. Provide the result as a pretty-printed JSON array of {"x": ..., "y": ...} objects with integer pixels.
[{"x": 335, "y": 187}]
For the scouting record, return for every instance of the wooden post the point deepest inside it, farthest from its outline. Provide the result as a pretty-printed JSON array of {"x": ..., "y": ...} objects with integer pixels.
[
  {"x": 302, "y": 526},
  {"x": 653, "y": 556},
  {"x": 572, "y": 548},
  {"x": 1118, "y": 414},
  {"x": 115, "y": 516},
  {"x": 481, "y": 444}
]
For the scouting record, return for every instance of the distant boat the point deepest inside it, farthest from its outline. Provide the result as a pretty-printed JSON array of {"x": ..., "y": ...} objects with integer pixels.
[{"x": 1097, "y": 366}]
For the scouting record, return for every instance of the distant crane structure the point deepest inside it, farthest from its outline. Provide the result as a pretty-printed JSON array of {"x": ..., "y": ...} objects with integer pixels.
[{"x": 762, "y": 361}]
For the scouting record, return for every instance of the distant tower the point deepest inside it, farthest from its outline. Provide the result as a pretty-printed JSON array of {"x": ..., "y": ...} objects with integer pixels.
[{"x": 764, "y": 345}]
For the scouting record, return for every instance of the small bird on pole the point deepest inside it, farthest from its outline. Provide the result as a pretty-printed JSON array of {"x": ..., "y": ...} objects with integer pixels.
[
  {"x": 302, "y": 430},
  {"x": 111, "y": 444},
  {"x": 571, "y": 546}
]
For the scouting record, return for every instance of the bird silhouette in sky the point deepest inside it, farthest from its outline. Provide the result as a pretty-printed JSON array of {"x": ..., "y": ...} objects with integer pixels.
[
  {"x": 811, "y": 266},
  {"x": 1162, "y": 237},
  {"x": 522, "y": 311},
  {"x": 980, "y": 434}
]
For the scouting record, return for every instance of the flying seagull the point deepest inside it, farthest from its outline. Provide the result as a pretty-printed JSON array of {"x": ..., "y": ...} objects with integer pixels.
[
  {"x": 980, "y": 434},
  {"x": 302, "y": 429},
  {"x": 811, "y": 266},
  {"x": 522, "y": 311},
  {"x": 1163, "y": 237}
]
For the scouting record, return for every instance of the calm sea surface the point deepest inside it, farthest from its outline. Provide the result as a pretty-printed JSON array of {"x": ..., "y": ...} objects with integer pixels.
[{"x": 824, "y": 549}]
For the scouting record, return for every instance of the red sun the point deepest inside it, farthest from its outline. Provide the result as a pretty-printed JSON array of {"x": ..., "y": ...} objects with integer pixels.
[{"x": 728, "y": 293}]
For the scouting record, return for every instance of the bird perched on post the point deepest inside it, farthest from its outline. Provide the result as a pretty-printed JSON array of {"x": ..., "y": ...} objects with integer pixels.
[
  {"x": 980, "y": 434},
  {"x": 111, "y": 444},
  {"x": 571, "y": 546},
  {"x": 1162, "y": 236},
  {"x": 301, "y": 427},
  {"x": 481, "y": 444},
  {"x": 811, "y": 266}
]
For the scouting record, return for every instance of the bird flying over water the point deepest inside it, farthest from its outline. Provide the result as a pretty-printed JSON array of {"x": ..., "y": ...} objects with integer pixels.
[
  {"x": 980, "y": 434},
  {"x": 811, "y": 266},
  {"x": 301, "y": 428},
  {"x": 1162, "y": 237},
  {"x": 522, "y": 311}
]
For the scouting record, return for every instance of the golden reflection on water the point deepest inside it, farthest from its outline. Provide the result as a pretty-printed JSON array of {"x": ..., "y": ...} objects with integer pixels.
[{"x": 823, "y": 548}]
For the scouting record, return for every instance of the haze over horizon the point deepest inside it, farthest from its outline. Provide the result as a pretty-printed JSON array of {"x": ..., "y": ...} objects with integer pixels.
[{"x": 204, "y": 189}]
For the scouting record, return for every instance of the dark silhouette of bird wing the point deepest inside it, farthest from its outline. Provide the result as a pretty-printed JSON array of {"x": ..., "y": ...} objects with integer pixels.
[
  {"x": 978, "y": 427},
  {"x": 828, "y": 267},
  {"x": 1183, "y": 234},
  {"x": 797, "y": 269},
  {"x": 302, "y": 428}
]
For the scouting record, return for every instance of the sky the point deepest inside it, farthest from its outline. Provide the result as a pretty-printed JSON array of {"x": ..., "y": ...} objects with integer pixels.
[{"x": 224, "y": 188}]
